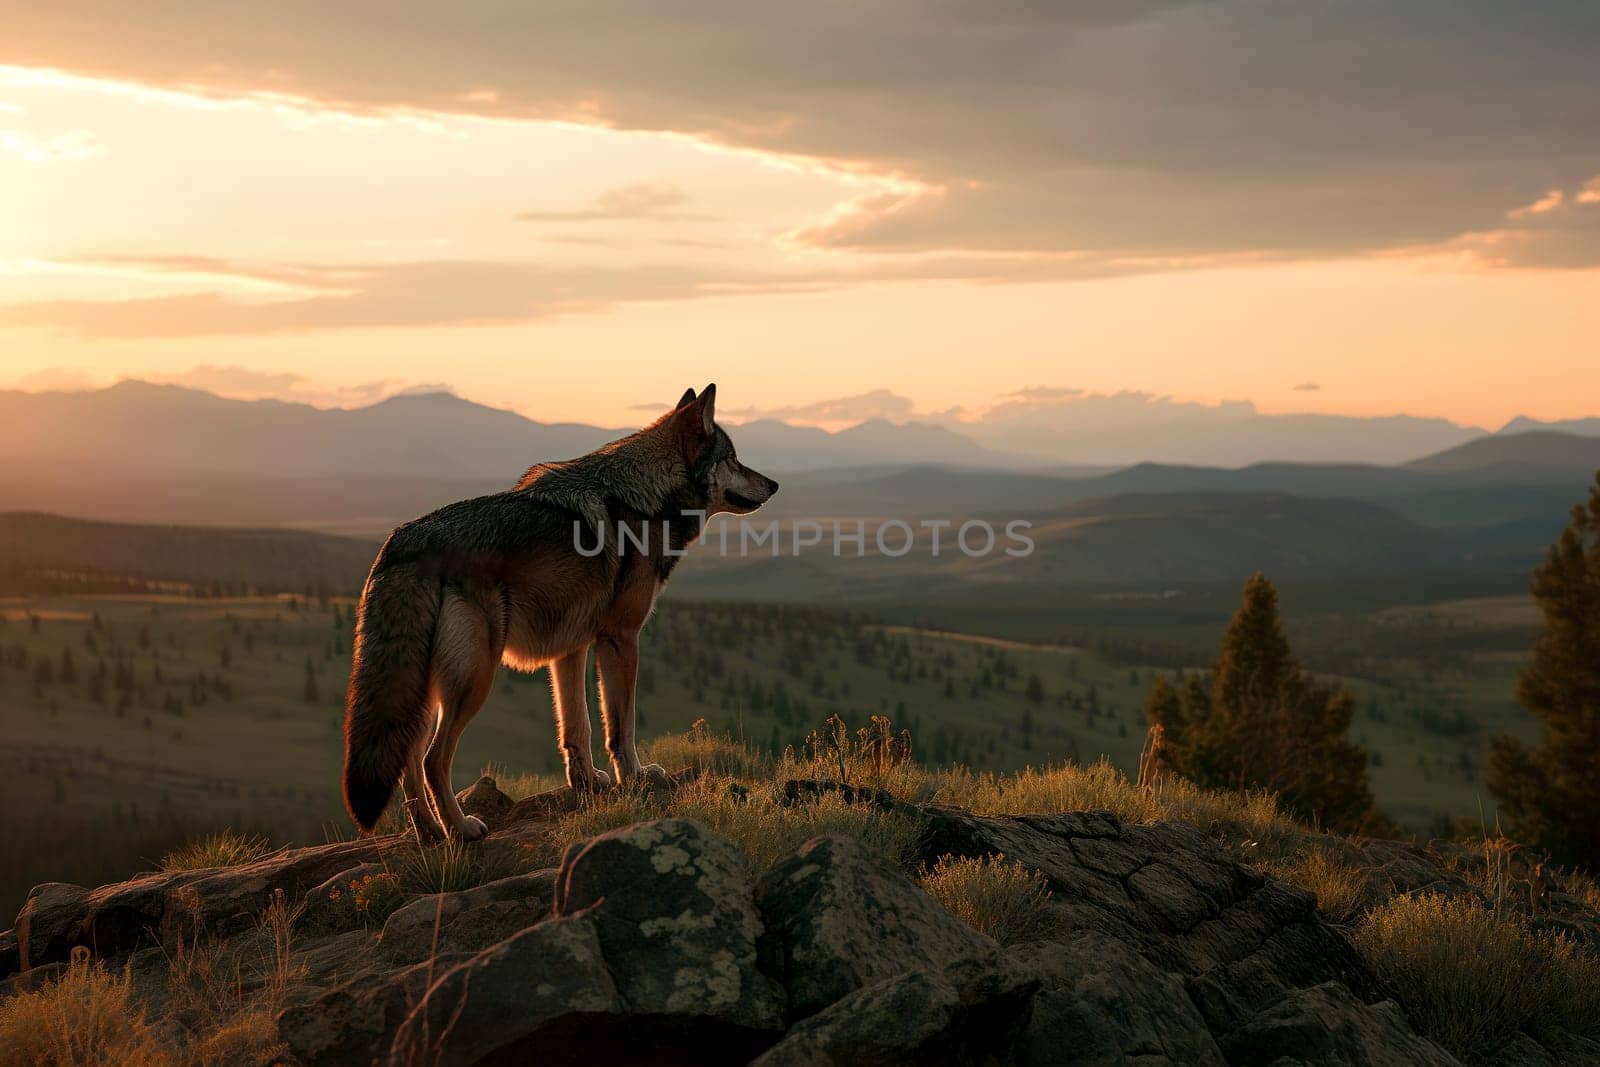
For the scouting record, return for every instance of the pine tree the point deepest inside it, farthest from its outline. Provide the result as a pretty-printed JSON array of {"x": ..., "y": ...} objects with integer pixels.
[
  {"x": 1262, "y": 722},
  {"x": 1549, "y": 794}
]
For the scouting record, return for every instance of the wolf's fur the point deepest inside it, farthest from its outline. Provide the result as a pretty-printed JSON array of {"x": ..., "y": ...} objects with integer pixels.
[{"x": 500, "y": 579}]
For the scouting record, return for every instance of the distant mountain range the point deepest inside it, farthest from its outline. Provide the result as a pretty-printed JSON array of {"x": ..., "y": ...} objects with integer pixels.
[
  {"x": 157, "y": 453},
  {"x": 151, "y": 429}
]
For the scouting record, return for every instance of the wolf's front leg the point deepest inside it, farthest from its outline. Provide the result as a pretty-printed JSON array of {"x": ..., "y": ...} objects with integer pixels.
[
  {"x": 618, "y": 660},
  {"x": 572, "y": 722}
]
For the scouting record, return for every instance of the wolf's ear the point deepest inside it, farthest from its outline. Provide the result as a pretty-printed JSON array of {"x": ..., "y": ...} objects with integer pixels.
[
  {"x": 685, "y": 400},
  {"x": 708, "y": 414}
]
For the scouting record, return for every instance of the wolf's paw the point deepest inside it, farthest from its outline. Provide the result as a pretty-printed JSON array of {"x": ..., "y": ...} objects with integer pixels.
[{"x": 471, "y": 828}]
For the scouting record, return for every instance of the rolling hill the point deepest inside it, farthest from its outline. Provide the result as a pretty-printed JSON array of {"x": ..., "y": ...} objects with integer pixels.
[{"x": 264, "y": 560}]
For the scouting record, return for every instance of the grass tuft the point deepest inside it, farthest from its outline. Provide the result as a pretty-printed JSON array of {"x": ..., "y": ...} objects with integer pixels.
[
  {"x": 445, "y": 867},
  {"x": 993, "y": 896},
  {"x": 87, "y": 1016},
  {"x": 1343, "y": 891},
  {"x": 1473, "y": 982},
  {"x": 228, "y": 848}
]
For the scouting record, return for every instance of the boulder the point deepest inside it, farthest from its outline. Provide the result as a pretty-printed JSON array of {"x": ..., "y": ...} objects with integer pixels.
[
  {"x": 470, "y": 920},
  {"x": 839, "y": 918},
  {"x": 1102, "y": 1002},
  {"x": 484, "y": 799},
  {"x": 354, "y": 1022},
  {"x": 50, "y": 923},
  {"x": 510, "y": 1001},
  {"x": 968, "y": 1014},
  {"x": 1327, "y": 1025},
  {"x": 675, "y": 914},
  {"x": 1238, "y": 941}
]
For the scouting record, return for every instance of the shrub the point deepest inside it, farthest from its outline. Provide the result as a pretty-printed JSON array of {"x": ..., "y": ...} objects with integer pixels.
[
  {"x": 228, "y": 848},
  {"x": 86, "y": 1016},
  {"x": 375, "y": 897},
  {"x": 993, "y": 896},
  {"x": 1472, "y": 982}
]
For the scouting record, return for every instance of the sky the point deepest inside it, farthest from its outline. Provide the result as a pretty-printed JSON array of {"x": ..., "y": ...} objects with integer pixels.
[{"x": 575, "y": 210}]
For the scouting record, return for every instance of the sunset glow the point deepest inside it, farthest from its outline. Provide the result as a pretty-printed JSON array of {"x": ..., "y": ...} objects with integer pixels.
[{"x": 290, "y": 236}]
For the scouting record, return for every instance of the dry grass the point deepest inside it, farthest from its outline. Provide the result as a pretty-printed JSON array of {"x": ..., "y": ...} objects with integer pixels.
[
  {"x": 1248, "y": 822},
  {"x": 87, "y": 1016},
  {"x": 767, "y": 831},
  {"x": 1471, "y": 981},
  {"x": 445, "y": 867},
  {"x": 229, "y": 848},
  {"x": 229, "y": 993},
  {"x": 762, "y": 828},
  {"x": 993, "y": 896},
  {"x": 703, "y": 750},
  {"x": 1343, "y": 892}
]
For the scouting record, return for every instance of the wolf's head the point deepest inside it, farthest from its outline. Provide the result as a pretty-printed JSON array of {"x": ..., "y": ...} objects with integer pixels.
[{"x": 725, "y": 484}]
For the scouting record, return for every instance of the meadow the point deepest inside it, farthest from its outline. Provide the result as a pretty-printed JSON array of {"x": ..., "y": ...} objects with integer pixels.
[{"x": 134, "y": 722}]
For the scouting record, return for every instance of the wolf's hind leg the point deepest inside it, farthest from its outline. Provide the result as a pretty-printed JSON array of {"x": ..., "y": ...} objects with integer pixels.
[
  {"x": 419, "y": 810},
  {"x": 466, "y": 652}
]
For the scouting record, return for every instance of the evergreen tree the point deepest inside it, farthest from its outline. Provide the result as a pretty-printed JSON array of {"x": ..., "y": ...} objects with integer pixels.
[
  {"x": 1549, "y": 794},
  {"x": 1262, "y": 722}
]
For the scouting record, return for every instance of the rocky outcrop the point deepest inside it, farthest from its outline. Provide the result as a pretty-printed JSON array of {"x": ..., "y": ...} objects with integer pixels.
[
  {"x": 839, "y": 919},
  {"x": 655, "y": 943}
]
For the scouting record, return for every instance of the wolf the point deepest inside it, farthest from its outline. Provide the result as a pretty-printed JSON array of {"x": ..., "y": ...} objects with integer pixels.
[{"x": 573, "y": 557}]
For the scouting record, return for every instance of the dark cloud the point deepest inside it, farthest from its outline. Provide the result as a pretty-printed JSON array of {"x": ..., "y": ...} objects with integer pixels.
[
  {"x": 1307, "y": 387},
  {"x": 1139, "y": 135}
]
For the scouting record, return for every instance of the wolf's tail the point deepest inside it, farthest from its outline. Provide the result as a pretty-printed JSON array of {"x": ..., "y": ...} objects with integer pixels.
[{"x": 386, "y": 705}]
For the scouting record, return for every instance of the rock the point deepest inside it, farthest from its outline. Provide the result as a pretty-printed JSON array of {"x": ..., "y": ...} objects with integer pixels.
[
  {"x": 471, "y": 920},
  {"x": 484, "y": 799},
  {"x": 839, "y": 918},
  {"x": 115, "y": 920},
  {"x": 969, "y": 1014},
  {"x": 503, "y": 1002},
  {"x": 1406, "y": 868},
  {"x": 50, "y": 923},
  {"x": 31, "y": 981},
  {"x": 1327, "y": 1025},
  {"x": 550, "y": 804},
  {"x": 1238, "y": 941},
  {"x": 1102, "y": 1002},
  {"x": 675, "y": 915},
  {"x": 354, "y": 1023}
]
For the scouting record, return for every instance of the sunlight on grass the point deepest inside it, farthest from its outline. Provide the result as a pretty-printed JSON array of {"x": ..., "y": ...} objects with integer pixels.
[
  {"x": 1471, "y": 981},
  {"x": 994, "y": 896},
  {"x": 87, "y": 1016},
  {"x": 229, "y": 848},
  {"x": 1342, "y": 890}
]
